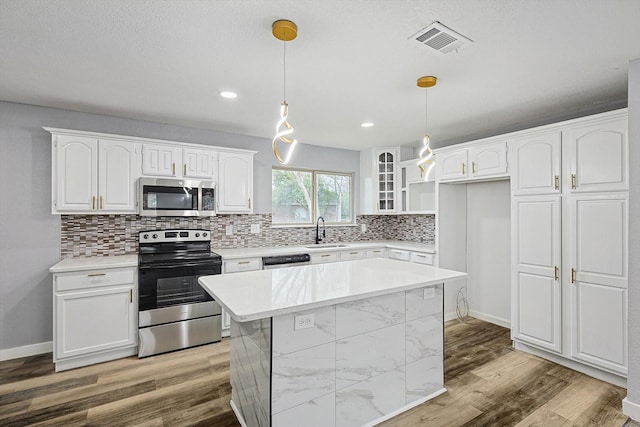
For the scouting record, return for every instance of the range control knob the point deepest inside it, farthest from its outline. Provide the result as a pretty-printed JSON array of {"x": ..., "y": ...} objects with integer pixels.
[
  {"x": 155, "y": 236},
  {"x": 145, "y": 237},
  {"x": 197, "y": 234},
  {"x": 204, "y": 234}
]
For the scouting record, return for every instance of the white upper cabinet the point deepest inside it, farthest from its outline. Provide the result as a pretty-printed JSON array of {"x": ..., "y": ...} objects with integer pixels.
[
  {"x": 598, "y": 276},
  {"x": 488, "y": 160},
  {"x": 235, "y": 182},
  {"x": 598, "y": 155},
  {"x": 161, "y": 160},
  {"x": 199, "y": 163},
  {"x": 386, "y": 168},
  {"x": 537, "y": 164},
  {"x": 116, "y": 173},
  {"x": 75, "y": 174},
  {"x": 453, "y": 165},
  {"x": 536, "y": 282},
  {"x": 477, "y": 160},
  {"x": 92, "y": 175}
]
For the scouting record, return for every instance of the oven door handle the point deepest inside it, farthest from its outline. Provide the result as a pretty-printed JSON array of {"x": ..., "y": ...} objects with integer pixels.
[{"x": 181, "y": 265}]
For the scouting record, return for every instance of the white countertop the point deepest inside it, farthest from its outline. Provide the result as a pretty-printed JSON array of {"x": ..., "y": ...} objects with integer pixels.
[
  {"x": 229, "y": 254},
  {"x": 94, "y": 263},
  {"x": 259, "y": 294}
]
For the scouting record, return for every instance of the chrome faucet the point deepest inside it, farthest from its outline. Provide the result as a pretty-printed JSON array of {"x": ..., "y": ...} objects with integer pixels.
[{"x": 324, "y": 231}]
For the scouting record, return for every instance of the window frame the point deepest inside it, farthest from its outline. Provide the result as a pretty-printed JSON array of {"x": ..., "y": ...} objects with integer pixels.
[{"x": 314, "y": 197}]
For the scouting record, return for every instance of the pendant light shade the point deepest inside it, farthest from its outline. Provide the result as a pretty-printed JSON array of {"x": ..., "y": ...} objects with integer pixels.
[
  {"x": 426, "y": 162},
  {"x": 286, "y": 31}
]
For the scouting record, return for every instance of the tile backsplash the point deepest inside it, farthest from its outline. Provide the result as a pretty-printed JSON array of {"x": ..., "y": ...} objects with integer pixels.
[{"x": 107, "y": 235}]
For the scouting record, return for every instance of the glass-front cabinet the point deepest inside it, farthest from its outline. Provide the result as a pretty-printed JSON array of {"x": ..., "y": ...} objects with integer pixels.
[{"x": 386, "y": 170}]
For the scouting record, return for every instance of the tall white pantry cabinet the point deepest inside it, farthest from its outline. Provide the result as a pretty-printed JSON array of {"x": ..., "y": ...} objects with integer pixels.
[{"x": 569, "y": 186}]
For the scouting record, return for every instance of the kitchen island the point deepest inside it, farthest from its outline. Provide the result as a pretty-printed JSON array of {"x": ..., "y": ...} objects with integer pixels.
[{"x": 343, "y": 344}]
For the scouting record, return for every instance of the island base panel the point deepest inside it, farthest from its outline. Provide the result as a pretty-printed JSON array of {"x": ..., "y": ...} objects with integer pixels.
[{"x": 361, "y": 362}]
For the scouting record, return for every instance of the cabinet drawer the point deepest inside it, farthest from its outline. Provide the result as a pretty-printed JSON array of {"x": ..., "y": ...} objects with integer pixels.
[
  {"x": 420, "y": 258},
  {"x": 398, "y": 254},
  {"x": 377, "y": 253},
  {"x": 322, "y": 257},
  {"x": 349, "y": 255},
  {"x": 93, "y": 279},
  {"x": 235, "y": 266}
]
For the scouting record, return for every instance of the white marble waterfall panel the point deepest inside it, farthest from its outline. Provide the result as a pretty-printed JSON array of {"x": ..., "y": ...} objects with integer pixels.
[
  {"x": 371, "y": 399},
  {"x": 424, "y": 337},
  {"x": 302, "y": 376},
  {"x": 363, "y": 356},
  {"x": 424, "y": 302},
  {"x": 319, "y": 412},
  {"x": 249, "y": 372},
  {"x": 424, "y": 377},
  {"x": 357, "y": 317},
  {"x": 288, "y": 340}
]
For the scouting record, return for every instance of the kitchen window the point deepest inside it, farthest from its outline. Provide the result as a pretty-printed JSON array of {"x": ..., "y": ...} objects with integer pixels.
[{"x": 299, "y": 196}]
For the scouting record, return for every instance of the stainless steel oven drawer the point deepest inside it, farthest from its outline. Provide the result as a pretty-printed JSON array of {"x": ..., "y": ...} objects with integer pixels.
[
  {"x": 176, "y": 313},
  {"x": 179, "y": 335}
]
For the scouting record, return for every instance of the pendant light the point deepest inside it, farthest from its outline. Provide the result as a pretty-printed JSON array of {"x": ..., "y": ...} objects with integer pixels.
[
  {"x": 286, "y": 31},
  {"x": 426, "y": 155}
]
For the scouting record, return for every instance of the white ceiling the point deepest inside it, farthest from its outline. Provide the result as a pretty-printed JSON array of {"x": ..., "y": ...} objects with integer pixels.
[{"x": 531, "y": 62}]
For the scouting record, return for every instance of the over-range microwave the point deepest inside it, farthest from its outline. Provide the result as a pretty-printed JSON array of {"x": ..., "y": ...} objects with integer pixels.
[{"x": 176, "y": 197}]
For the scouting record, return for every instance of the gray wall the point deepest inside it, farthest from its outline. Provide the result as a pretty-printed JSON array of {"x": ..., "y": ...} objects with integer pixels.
[
  {"x": 633, "y": 382},
  {"x": 30, "y": 234}
]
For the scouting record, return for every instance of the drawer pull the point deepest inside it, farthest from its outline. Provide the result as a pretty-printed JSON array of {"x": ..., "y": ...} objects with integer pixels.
[
  {"x": 96, "y": 274},
  {"x": 376, "y": 252},
  {"x": 353, "y": 253},
  {"x": 324, "y": 256},
  {"x": 421, "y": 256},
  {"x": 244, "y": 262}
]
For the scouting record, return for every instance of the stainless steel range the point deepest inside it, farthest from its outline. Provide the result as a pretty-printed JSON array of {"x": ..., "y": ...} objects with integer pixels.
[{"x": 174, "y": 311}]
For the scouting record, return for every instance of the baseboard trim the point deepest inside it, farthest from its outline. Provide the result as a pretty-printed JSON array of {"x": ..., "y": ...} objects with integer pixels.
[
  {"x": 405, "y": 408},
  {"x": 239, "y": 416},
  {"x": 505, "y": 323},
  {"x": 631, "y": 409},
  {"x": 26, "y": 350}
]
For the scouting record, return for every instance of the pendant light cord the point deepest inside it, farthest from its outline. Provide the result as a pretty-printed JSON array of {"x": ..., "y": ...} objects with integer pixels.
[
  {"x": 284, "y": 73},
  {"x": 426, "y": 107}
]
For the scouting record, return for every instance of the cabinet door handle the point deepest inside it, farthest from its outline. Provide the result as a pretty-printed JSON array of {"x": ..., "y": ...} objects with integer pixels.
[
  {"x": 96, "y": 274},
  {"x": 473, "y": 167},
  {"x": 101, "y": 205},
  {"x": 249, "y": 203},
  {"x": 573, "y": 275},
  {"x": 93, "y": 202},
  {"x": 174, "y": 169},
  {"x": 184, "y": 170},
  {"x": 573, "y": 181},
  {"x": 131, "y": 295},
  {"x": 463, "y": 165},
  {"x": 556, "y": 182},
  {"x": 556, "y": 272}
]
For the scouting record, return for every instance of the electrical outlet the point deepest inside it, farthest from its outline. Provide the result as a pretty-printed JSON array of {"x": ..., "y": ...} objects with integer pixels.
[
  {"x": 255, "y": 228},
  {"x": 229, "y": 230},
  {"x": 429, "y": 293},
  {"x": 363, "y": 227},
  {"x": 304, "y": 321}
]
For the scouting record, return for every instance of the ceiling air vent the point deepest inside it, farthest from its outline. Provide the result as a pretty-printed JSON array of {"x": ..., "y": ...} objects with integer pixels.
[{"x": 440, "y": 38}]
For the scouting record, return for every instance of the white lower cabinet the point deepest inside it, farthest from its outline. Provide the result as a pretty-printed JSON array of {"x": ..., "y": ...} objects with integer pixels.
[
  {"x": 95, "y": 316},
  {"x": 537, "y": 291},
  {"x": 598, "y": 277},
  {"x": 351, "y": 255},
  {"x": 399, "y": 254},
  {"x": 323, "y": 257},
  {"x": 377, "y": 253}
]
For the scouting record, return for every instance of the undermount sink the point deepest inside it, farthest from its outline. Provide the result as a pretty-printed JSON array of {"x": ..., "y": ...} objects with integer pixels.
[{"x": 320, "y": 246}]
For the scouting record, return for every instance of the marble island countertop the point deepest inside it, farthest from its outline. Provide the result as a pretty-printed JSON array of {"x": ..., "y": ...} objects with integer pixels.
[
  {"x": 229, "y": 254},
  {"x": 254, "y": 295}
]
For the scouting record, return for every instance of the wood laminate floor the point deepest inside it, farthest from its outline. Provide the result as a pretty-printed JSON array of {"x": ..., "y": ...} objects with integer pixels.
[{"x": 489, "y": 384}]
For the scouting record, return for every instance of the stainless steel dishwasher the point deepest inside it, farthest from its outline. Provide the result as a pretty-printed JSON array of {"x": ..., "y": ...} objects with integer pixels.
[{"x": 279, "y": 261}]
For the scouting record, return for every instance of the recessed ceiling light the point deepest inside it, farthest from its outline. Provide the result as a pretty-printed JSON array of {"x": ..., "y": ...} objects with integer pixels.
[
  {"x": 228, "y": 94},
  {"x": 367, "y": 124}
]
